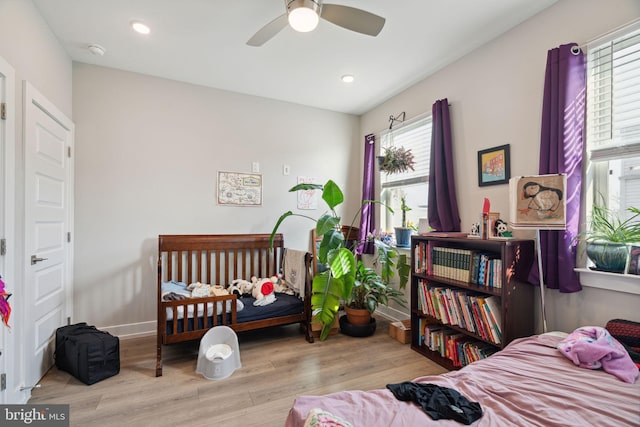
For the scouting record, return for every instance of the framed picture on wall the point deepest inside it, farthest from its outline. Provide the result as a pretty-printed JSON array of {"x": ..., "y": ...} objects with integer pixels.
[{"x": 494, "y": 166}]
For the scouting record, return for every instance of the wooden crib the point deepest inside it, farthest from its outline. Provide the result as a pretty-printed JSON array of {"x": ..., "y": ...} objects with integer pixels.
[{"x": 218, "y": 260}]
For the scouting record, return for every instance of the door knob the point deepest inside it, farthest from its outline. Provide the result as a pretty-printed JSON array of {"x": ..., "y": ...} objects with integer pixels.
[{"x": 35, "y": 259}]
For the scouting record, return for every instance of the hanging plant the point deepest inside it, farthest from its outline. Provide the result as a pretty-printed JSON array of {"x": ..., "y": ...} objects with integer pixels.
[{"x": 396, "y": 160}]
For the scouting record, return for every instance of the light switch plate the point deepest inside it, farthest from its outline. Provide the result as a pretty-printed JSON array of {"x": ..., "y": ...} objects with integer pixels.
[
  {"x": 255, "y": 167},
  {"x": 286, "y": 169}
]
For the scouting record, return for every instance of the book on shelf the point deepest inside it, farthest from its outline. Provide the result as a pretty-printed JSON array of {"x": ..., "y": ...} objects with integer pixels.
[
  {"x": 459, "y": 348},
  {"x": 452, "y": 263},
  {"x": 493, "y": 309}
]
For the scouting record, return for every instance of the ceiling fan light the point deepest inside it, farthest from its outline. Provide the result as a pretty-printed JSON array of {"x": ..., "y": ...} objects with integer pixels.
[{"x": 303, "y": 19}]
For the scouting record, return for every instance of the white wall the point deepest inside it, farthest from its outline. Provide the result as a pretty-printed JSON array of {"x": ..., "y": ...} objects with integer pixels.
[
  {"x": 147, "y": 154},
  {"x": 28, "y": 45},
  {"x": 495, "y": 94}
]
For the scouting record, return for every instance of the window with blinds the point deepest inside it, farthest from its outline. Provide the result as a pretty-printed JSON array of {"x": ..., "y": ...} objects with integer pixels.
[
  {"x": 613, "y": 118},
  {"x": 412, "y": 184}
]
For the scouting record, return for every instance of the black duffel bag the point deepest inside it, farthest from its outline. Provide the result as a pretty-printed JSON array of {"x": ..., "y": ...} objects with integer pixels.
[{"x": 87, "y": 353}]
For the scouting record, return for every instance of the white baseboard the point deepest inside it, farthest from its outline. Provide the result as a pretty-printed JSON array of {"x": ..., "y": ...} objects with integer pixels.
[{"x": 132, "y": 330}]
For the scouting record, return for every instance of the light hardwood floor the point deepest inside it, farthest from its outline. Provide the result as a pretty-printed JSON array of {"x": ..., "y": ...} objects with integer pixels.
[{"x": 277, "y": 365}]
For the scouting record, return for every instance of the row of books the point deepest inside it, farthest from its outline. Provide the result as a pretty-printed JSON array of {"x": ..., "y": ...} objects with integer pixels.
[
  {"x": 469, "y": 266},
  {"x": 477, "y": 313},
  {"x": 453, "y": 345}
]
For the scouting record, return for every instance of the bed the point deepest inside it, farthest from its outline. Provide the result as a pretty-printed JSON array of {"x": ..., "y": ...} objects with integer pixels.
[
  {"x": 528, "y": 383},
  {"x": 219, "y": 260}
]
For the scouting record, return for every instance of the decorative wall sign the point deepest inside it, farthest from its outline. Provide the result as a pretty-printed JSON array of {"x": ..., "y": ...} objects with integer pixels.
[
  {"x": 239, "y": 189},
  {"x": 494, "y": 166},
  {"x": 307, "y": 199}
]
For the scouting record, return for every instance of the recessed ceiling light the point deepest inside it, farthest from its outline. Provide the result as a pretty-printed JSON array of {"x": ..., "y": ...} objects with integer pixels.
[
  {"x": 140, "y": 27},
  {"x": 347, "y": 78}
]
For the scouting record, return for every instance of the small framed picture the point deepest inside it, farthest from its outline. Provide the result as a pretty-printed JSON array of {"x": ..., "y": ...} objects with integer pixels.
[
  {"x": 633, "y": 264},
  {"x": 494, "y": 166}
]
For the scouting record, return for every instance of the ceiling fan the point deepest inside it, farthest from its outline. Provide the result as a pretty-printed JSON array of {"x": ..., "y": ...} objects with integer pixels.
[{"x": 303, "y": 16}]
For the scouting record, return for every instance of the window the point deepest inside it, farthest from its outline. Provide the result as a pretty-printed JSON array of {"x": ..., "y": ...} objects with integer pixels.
[
  {"x": 613, "y": 120},
  {"x": 413, "y": 185}
]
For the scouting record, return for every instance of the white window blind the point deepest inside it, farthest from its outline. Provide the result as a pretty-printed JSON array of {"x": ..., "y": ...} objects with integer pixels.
[
  {"x": 613, "y": 107},
  {"x": 415, "y": 136}
]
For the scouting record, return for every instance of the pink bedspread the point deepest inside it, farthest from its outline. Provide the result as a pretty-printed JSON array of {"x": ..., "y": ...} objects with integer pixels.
[{"x": 529, "y": 383}]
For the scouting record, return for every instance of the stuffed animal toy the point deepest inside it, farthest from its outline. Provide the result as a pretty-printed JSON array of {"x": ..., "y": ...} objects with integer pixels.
[
  {"x": 263, "y": 290},
  {"x": 500, "y": 229},
  {"x": 198, "y": 290},
  {"x": 203, "y": 290},
  {"x": 240, "y": 288},
  {"x": 281, "y": 287}
]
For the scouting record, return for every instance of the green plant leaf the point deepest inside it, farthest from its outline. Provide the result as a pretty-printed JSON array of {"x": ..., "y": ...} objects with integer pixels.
[
  {"x": 325, "y": 299},
  {"x": 306, "y": 187},
  {"x": 332, "y": 194},
  {"x": 275, "y": 228},
  {"x": 404, "y": 270},
  {"x": 332, "y": 240},
  {"x": 326, "y": 223}
]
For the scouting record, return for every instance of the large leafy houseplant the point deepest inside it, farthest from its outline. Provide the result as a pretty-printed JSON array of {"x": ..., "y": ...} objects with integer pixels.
[
  {"x": 346, "y": 278},
  {"x": 608, "y": 237}
]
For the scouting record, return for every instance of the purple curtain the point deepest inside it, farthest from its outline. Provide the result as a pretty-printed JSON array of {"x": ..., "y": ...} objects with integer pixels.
[
  {"x": 367, "y": 216},
  {"x": 561, "y": 148},
  {"x": 442, "y": 203}
]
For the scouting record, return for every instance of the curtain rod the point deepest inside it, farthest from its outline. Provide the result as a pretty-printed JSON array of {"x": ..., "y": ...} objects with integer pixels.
[
  {"x": 576, "y": 49},
  {"x": 406, "y": 122}
]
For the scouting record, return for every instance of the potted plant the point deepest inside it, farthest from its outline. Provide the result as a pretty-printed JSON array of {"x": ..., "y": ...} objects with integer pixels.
[
  {"x": 608, "y": 238},
  {"x": 403, "y": 233},
  {"x": 346, "y": 278},
  {"x": 396, "y": 160},
  {"x": 369, "y": 291}
]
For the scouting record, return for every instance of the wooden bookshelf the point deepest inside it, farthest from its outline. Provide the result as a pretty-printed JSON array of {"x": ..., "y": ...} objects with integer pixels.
[{"x": 445, "y": 298}]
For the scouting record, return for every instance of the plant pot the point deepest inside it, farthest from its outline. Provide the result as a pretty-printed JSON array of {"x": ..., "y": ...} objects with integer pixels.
[
  {"x": 403, "y": 237},
  {"x": 608, "y": 256},
  {"x": 358, "y": 316},
  {"x": 357, "y": 330}
]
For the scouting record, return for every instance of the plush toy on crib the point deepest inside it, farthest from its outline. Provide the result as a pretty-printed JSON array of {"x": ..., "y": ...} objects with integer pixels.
[
  {"x": 199, "y": 290},
  {"x": 240, "y": 288},
  {"x": 263, "y": 290},
  {"x": 280, "y": 286}
]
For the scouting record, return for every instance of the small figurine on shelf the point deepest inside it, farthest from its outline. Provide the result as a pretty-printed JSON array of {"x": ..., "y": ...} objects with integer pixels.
[
  {"x": 500, "y": 229},
  {"x": 475, "y": 230}
]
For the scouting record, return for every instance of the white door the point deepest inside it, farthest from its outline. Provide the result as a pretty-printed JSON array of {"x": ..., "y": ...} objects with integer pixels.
[
  {"x": 48, "y": 141},
  {"x": 8, "y": 343}
]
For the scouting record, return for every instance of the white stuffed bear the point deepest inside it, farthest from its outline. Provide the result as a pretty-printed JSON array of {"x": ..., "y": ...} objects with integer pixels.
[
  {"x": 263, "y": 290},
  {"x": 240, "y": 287}
]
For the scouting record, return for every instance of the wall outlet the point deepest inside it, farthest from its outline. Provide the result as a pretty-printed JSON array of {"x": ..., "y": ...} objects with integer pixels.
[
  {"x": 255, "y": 167},
  {"x": 286, "y": 169}
]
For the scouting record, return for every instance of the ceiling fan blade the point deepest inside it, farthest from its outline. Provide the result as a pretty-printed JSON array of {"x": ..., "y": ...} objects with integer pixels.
[
  {"x": 265, "y": 33},
  {"x": 353, "y": 19}
]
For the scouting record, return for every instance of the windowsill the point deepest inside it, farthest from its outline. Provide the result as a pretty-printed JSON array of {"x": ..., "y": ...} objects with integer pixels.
[
  {"x": 403, "y": 251},
  {"x": 628, "y": 283}
]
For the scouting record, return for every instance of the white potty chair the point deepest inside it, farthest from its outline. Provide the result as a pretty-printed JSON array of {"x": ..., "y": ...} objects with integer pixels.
[{"x": 219, "y": 353}]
